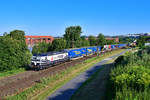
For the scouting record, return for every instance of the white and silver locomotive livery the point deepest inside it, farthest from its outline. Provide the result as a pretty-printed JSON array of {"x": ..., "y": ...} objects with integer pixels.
[{"x": 45, "y": 60}]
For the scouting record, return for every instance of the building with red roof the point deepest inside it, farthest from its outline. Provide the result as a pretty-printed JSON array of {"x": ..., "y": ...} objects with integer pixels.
[
  {"x": 115, "y": 39},
  {"x": 32, "y": 40}
]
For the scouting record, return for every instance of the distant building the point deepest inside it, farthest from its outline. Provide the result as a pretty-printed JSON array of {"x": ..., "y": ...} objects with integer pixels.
[
  {"x": 86, "y": 38},
  {"x": 115, "y": 39},
  {"x": 32, "y": 40},
  {"x": 138, "y": 35},
  {"x": 134, "y": 35}
]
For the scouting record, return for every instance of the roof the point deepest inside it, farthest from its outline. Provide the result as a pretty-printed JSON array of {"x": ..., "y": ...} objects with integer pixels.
[
  {"x": 111, "y": 38},
  {"x": 49, "y": 53},
  {"x": 38, "y": 36}
]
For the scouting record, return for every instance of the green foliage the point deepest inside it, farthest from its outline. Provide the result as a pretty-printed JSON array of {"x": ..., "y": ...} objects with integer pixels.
[
  {"x": 18, "y": 35},
  {"x": 58, "y": 44},
  {"x": 131, "y": 94},
  {"x": 126, "y": 59},
  {"x": 13, "y": 52},
  {"x": 72, "y": 35},
  {"x": 11, "y": 72},
  {"x": 92, "y": 40},
  {"x": 141, "y": 41},
  {"x": 131, "y": 76},
  {"x": 9, "y": 51},
  {"x": 84, "y": 43},
  {"x": 101, "y": 40},
  {"x": 41, "y": 48},
  {"x": 121, "y": 60},
  {"x": 109, "y": 42},
  {"x": 126, "y": 39}
]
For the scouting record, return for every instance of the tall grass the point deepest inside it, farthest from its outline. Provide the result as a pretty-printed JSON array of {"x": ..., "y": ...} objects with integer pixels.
[
  {"x": 131, "y": 76},
  {"x": 132, "y": 94}
]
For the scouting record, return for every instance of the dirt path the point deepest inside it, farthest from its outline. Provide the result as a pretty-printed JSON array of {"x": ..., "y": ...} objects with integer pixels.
[
  {"x": 94, "y": 90},
  {"x": 17, "y": 83}
]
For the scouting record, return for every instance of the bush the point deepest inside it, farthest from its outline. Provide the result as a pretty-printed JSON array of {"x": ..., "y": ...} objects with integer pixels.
[
  {"x": 41, "y": 48},
  {"x": 131, "y": 94},
  {"x": 131, "y": 76},
  {"x": 13, "y": 51},
  {"x": 135, "y": 77},
  {"x": 129, "y": 58}
]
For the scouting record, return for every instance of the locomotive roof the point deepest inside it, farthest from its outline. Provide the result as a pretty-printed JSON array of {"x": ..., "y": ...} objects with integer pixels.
[
  {"x": 81, "y": 48},
  {"x": 49, "y": 53}
]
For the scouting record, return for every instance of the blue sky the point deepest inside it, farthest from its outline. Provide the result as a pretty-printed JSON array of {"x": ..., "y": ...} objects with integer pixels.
[{"x": 51, "y": 17}]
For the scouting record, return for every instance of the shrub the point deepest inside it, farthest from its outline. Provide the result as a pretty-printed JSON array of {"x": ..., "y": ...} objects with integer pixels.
[
  {"x": 135, "y": 76},
  {"x": 131, "y": 94},
  {"x": 131, "y": 76},
  {"x": 41, "y": 48},
  {"x": 13, "y": 51}
]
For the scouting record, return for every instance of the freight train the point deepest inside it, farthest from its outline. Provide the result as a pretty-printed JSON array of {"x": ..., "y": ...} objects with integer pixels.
[{"x": 45, "y": 60}]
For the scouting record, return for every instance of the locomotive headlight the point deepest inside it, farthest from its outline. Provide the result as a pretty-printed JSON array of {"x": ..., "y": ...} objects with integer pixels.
[{"x": 35, "y": 63}]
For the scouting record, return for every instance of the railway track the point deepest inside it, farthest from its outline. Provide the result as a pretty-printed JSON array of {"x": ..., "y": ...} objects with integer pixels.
[{"x": 17, "y": 83}]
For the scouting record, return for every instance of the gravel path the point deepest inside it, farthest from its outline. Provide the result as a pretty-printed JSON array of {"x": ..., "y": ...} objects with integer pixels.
[{"x": 66, "y": 91}]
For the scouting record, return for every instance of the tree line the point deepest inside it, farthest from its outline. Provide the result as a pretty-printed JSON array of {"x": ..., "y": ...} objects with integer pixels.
[
  {"x": 14, "y": 51},
  {"x": 71, "y": 39}
]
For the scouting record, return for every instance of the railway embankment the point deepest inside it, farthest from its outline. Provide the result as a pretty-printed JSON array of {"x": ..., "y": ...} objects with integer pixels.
[{"x": 49, "y": 80}]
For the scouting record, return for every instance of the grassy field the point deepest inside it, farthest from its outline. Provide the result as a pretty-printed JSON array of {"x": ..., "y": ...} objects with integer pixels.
[
  {"x": 12, "y": 72},
  {"x": 48, "y": 85}
]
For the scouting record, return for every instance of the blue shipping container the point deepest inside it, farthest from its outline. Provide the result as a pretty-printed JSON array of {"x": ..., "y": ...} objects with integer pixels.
[{"x": 73, "y": 53}]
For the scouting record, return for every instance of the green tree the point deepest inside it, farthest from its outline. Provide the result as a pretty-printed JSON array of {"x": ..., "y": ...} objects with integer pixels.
[
  {"x": 141, "y": 41},
  {"x": 19, "y": 35},
  {"x": 101, "y": 40},
  {"x": 84, "y": 41},
  {"x": 41, "y": 48},
  {"x": 110, "y": 42},
  {"x": 83, "y": 37},
  {"x": 58, "y": 44},
  {"x": 8, "y": 54},
  {"x": 92, "y": 40},
  {"x": 13, "y": 51},
  {"x": 72, "y": 35},
  {"x": 125, "y": 39}
]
